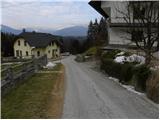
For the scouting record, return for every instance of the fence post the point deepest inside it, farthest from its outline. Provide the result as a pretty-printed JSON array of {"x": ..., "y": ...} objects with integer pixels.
[
  {"x": 10, "y": 75},
  {"x": 35, "y": 64},
  {"x": 45, "y": 59}
]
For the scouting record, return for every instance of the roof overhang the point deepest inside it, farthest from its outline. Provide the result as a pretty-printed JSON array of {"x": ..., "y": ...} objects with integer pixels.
[
  {"x": 97, "y": 6},
  {"x": 133, "y": 25}
]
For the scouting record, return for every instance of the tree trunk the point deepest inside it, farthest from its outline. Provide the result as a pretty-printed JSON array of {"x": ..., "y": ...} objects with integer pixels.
[{"x": 148, "y": 58}]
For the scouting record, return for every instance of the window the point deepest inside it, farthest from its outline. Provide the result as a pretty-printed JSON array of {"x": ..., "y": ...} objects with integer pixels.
[
  {"x": 20, "y": 53},
  {"x": 138, "y": 11},
  {"x": 25, "y": 43},
  {"x": 19, "y": 43},
  {"x": 38, "y": 53},
  {"x": 53, "y": 53},
  {"x": 26, "y": 53},
  {"x": 48, "y": 51},
  {"x": 137, "y": 35},
  {"x": 17, "y": 53}
]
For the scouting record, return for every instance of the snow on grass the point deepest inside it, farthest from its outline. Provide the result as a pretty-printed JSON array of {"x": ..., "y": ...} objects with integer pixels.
[
  {"x": 154, "y": 68},
  {"x": 128, "y": 87},
  {"x": 120, "y": 59},
  {"x": 49, "y": 65},
  {"x": 132, "y": 58},
  {"x": 131, "y": 88},
  {"x": 114, "y": 79},
  {"x": 121, "y": 53},
  {"x": 136, "y": 58}
]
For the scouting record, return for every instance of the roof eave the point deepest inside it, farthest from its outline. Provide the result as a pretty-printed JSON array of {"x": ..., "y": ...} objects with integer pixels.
[{"x": 97, "y": 6}]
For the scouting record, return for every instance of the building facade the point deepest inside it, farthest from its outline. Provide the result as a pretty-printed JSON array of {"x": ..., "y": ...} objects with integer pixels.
[
  {"x": 122, "y": 16},
  {"x": 31, "y": 44}
]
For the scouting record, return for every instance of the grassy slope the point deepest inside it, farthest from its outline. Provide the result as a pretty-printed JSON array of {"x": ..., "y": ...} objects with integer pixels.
[{"x": 30, "y": 100}]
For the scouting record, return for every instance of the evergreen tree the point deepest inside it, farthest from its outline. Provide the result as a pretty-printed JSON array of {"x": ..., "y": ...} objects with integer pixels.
[
  {"x": 103, "y": 32},
  {"x": 90, "y": 35},
  {"x": 7, "y": 41},
  {"x": 95, "y": 33}
]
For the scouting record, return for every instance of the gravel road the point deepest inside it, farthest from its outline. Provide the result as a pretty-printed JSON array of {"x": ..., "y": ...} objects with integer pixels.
[{"x": 90, "y": 94}]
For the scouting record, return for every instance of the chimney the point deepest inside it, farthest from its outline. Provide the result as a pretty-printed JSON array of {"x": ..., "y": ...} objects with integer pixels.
[
  {"x": 33, "y": 31},
  {"x": 23, "y": 30}
]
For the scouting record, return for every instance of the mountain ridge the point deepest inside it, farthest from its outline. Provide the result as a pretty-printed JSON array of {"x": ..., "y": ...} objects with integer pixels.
[{"x": 68, "y": 31}]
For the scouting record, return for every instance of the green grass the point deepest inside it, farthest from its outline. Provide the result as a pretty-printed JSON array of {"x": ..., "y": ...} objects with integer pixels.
[
  {"x": 91, "y": 51},
  {"x": 29, "y": 100}
]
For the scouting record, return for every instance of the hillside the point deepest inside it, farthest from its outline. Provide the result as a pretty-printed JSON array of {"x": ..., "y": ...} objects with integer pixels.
[{"x": 72, "y": 31}]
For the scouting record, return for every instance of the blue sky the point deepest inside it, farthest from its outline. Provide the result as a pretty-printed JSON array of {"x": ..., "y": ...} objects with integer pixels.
[{"x": 46, "y": 14}]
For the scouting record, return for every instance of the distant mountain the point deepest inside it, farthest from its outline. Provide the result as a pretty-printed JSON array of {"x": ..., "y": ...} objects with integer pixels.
[
  {"x": 69, "y": 31},
  {"x": 72, "y": 31},
  {"x": 7, "y": 29}
]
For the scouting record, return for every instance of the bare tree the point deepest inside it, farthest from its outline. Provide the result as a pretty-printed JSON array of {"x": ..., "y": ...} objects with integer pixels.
[{"x": 142, "y": 18}]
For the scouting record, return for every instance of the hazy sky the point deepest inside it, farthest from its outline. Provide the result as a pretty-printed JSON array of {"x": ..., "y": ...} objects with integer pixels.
[{"x": 53, "y": 14}]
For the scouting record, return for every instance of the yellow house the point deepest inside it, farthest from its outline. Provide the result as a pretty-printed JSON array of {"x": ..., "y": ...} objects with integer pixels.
[{"x": 36, "y": 44}]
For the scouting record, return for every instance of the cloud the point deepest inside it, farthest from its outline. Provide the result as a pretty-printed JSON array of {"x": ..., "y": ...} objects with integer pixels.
[
  {"x": 46, "y": 13},
  {"x": 22, "y": 1}
]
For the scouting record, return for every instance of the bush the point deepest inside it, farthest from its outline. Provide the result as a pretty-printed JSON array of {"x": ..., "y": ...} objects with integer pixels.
[
  {"x": 152, "y": 86},
  {"x": 127, "y": 54},
  {"x": 110, "y": 54},
  {"x": 126, "y": 72},
  {"x": 141, "y": 74},
  {"x": 80, "y": 58},
  {"x": 123, "y": 72},
  {"x": 91, "y": 51}
]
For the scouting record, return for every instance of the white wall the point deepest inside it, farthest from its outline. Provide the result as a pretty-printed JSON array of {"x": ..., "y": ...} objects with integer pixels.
[
  {"x": 119, "y": 36},
  {"x": 33, "y": 51},
  {"x": 115, "y": 10},
  {"x": 41, "y": 50},
  {"x": 51, "y": 48},
  {"x": 22, "y": 48}
]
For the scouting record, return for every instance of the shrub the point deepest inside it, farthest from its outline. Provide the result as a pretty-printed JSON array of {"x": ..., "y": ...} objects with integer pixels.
[
  {"x": 123, "y": 72},
  {"x": 127, "y": 54},
  {"x": 152, "y": 86},
  {"x": 126, "y": 72},
  {"x": 91, "y": 51},
  {"x": 110, "y": 54},
  {"x": 141, "y": 74},
  {"x": 80, "y": 58},
  {"x": 111, "y": 67}
]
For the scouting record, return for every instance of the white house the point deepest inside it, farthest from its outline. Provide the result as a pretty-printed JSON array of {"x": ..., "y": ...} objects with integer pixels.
[
  {"x": 36, "y": 44},
  {"x": 117, "y": 26}
]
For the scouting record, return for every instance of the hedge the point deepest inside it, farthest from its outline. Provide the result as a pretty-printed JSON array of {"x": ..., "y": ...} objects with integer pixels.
[
  {"x": 123, "y": 72},
  {"x": 127, "y": 72},
  {"x": 141, "y": 74}
]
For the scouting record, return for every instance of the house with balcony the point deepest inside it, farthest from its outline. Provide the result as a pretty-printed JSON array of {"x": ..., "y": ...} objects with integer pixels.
[
  {"x": 36, "y": 44},
  {"x": 115, "y": 13}
]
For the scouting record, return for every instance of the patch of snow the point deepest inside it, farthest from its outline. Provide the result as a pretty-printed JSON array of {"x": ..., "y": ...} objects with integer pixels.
[
  {"x": 128, "y": 87},
  {"x": 120, "y": 59},
  {"x": 136, "y": 58},
  {"x": 56, "y": 62},
  {"x": 86, "y": 57},
  {"x": 121, "y": 53},
  {"x": 154, "y": 68},
  {"x": 132, "y": 58},
  {"x": 50, "y": 65},
  {"x": 131, "y": 88},
  {"x": 114, "y": 79}
]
